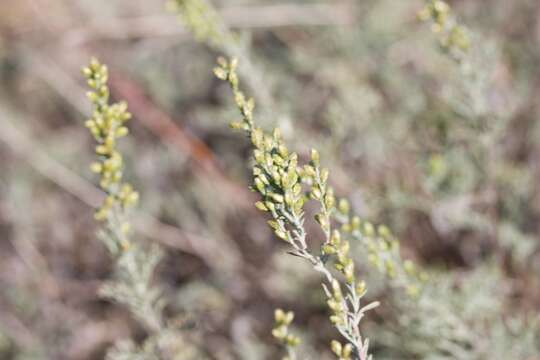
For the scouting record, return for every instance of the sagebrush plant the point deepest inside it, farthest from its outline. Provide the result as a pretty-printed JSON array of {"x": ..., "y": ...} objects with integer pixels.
[
  {"x": 135, "y": 262},
  {"x": 278, "y": 178}
]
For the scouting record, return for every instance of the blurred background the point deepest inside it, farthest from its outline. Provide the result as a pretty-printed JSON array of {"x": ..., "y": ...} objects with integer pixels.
[{"x": 447, "y": 155}]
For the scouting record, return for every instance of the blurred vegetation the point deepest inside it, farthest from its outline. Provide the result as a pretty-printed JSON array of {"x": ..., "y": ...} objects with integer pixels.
[{"x": 426, "y": 116}]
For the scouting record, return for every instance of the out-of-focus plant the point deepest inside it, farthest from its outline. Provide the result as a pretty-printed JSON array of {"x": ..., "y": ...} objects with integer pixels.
[
  {"x": 470, "y": 160},
  {"x": 107, "y": 126},
  {"x": 135, "y": 262},
  {"x": 453, "y": 37},
  {"x": 382, "y": 250},
  {"x": 443, "y": 151},
  {"x": 458, "y": 316},
  {"x": 282, "y": 320},
  {"x": 207, "y": 25},
  {"x": 202, "y": 19}
]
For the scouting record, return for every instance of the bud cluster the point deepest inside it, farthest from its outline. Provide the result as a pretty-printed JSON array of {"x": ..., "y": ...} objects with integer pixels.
[
  {"x": 107, "y": 125},
  {"x": 282, "y": 320},
  {"x": 342, "y": 352},
  {"x": 276, "y": 175}
]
